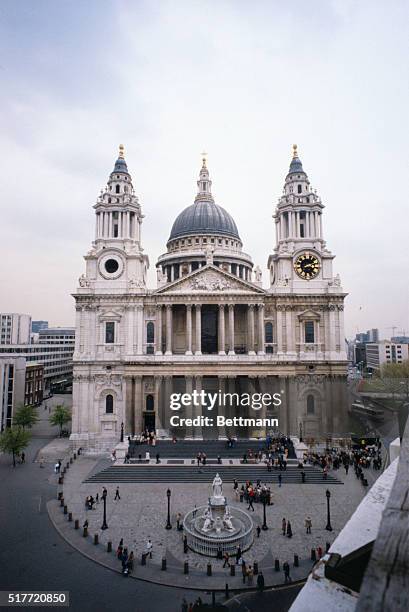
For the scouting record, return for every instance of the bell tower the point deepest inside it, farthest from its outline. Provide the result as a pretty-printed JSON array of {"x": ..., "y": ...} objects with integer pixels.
[
  {"x": 116, "y": 262},
  {"x": 301, "y": 261}
]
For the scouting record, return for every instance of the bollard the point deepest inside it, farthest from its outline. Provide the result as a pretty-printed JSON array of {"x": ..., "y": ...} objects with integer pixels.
[
  {"x": 67, "y": 466},
  {"x": 255, "y": 568},
  {"x": 75, "y": 455},
  {"x": 61, "y": 502},
  {"x": 85, "y": 532},
  {"x": 185, "y": 547},
  {"x": 186, "y": 567},
  {"x": 70, "y": 517},
  {"x": 213, "y": 599},
  {"x": 313, "y": 554},
  {"x": 163, "y": 564},
  {"x": 109, "y": 547},
  {"x": 70, "y": 459},
  {"x": 277, "y": 565},
  {"x": 209, "y": 569},
  {"x": 65, "y": 510},
  {"x": 59, "y": 495},
  {"x": 327, "y": 546},
  {"x": 95, "y": 539},
  {"x": 232, "y": 570},
  {"x": 296, "y": 562},
  {"x": 143, "y": 559},
  {"x": 76, "y": 524},
  {"x": 226, "y": 591}
]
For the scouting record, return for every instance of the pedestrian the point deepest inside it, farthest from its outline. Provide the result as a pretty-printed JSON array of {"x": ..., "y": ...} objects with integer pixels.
[
  {"x": 250, "y": 503},
  {"x": 284, "y": 526},
  {"x": 286, "y": 568},
  {"x": 302, "y": 476},
  {"x": 289, "y": 530},
  {"x": 258, "y": 531},
  {"x": 238, "y": 554},
  {"x": 308, "y": 524},
  {"x": 97, "y": 498},
  {"x": 149, "y": 547},
  {"x": 178, "y": 519},
  {"x": 184, "y": 607},
  {"x": 23, "y": 458},
  {"x": 260, "y": 582},
  {"x": 41, "y": 462},
  {"x": 194, "y": 511},
  {"x": 226, "y": 557},
  {"x": 243, "y": 570},
  {"x": 104, "y": 492},
  {"x": 59, "y": 465},
  {"x": 346, "y": 468},
  {"x": 280, "y": 478},
  {"x": 158, "y": 461},
  {"x": 117, "y": 496},
  {"x": 250, "y": 575},
  {"x": 319, "y": 552},
  {"x": 130, "y": 562},
  {"x": 85, "y": 525}
]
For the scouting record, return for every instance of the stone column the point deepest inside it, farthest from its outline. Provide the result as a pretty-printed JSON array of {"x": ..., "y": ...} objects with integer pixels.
[
  {"x": 231, "y": 329},
  {"x": 320, "y": 223},
  {"x": 168, "y": 329},
  {"x": 159, "y": 329},
  {"x": 167, "y": 411},
  {"x": 198, "y": 310},
  {"x": 189, "y": 409},
  {"x": 250, "y": 330},
  {"x": 139, "y": 342},
  {"x": 290, "y": 331},
  {"x": 222, "y": 341},
  {"x": 158, "y": 415},
  {"x": 297, "y": 225},
  {"x": 279, "y": 331},
  {"x": 261, "y": 343},
  {"x": 307, "y": 224},
  {"x": 129, "y": 330},
  {"x": 221, "y": 410},
  {"x": 138, "y": 404},
  {"x": 332, "y": 340},
  {"x": 198, "y": 410},
  {"x": 188, "y": 329}
]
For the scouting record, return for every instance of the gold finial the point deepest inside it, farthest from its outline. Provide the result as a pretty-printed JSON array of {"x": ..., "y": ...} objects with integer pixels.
[
  {"x": 204, "y": 158},
  {"x": 121, "y": 151},
  {"x": 295, "y": 153}
]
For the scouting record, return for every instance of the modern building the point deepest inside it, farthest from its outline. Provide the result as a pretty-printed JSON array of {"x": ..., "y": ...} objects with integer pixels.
[
  {"x": 34, "y": 386},
  {"x": 377, "y": 354},
  {"x": 15, "y": 328},
  {"x": 12, "y": 387},
  {"x": 371, "y": 335},
  {"x": 37, "y": 325},
  {"x": 209, "y": 324},
  {"x": 400, "y": 339}
]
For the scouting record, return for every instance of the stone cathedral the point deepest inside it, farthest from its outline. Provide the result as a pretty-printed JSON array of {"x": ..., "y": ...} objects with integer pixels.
[{"x": 209, "y": 323}]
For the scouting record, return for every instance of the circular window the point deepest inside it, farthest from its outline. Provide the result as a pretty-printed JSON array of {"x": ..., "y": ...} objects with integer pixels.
[{"x": 111, "y": 266}]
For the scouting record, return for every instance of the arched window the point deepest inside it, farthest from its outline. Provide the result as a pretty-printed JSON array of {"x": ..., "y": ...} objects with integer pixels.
[
  {"x": 269, "y": 332},
  {"x": 299, "y": 188},
  {"x": 150, "y": 402},
  {"x": 109, "y": 404},
  {"x": 150, "y": 333},
  {"x": 117, "y": 188},
  {"x": 310, "y": 404}
]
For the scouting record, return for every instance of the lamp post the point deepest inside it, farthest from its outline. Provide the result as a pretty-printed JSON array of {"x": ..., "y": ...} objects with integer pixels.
[
  {"x": 168, "y": 494},
  {"x": 264, "y": 502},
  {"x": 328, "y": 527},
  {"x": 122, "y": 432},
  {"x": 104, "y": 499}
]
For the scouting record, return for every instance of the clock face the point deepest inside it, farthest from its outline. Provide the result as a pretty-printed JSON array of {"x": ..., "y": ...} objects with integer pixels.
[{"x": 307, "y": 266}]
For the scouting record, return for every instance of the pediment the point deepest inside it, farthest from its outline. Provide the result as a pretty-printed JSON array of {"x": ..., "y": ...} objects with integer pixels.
[
  {"x": 110, "y": 315},
  {"x": 210, "y": 279},
  {"x": 309, "y": 314}
]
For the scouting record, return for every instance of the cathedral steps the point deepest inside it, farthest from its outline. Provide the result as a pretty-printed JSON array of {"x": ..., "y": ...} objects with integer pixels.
[{"x": 188, "y": 449}]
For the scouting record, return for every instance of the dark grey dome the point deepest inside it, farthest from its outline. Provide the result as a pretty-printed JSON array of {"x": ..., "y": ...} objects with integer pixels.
[{"x": 204, "y": 217}]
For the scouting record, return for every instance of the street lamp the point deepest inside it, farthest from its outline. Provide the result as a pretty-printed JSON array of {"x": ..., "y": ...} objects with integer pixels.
[
  {"x": 104, "y": 499},
  {"x": 264, "y": 495},
  {"x": 328, "y": 527},
  {"x": 168, "y": 525},
  {"x": 122, "y": 432}
]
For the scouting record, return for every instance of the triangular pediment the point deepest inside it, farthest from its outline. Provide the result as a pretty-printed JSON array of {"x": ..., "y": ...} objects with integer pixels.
[
  {"x": 309, "y": 314},
  {"x": 210, "y": 279}
]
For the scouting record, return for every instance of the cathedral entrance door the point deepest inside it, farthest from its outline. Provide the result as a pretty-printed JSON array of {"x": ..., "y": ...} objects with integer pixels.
[
  {"x": 209, "y": 329},
  {"x": 149, "y": 421}
]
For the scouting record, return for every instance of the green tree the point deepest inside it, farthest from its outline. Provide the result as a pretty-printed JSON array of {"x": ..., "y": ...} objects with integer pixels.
[
  {"x": 13, "y": 440},
  {"x": 25, "y": 416},
  {"x": 60, "y": 416},
  {"x": 393, "y": 380}
]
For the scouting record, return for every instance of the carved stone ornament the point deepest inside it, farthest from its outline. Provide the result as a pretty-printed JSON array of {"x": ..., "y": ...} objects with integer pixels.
[
  {"x": 83, "y": 281},
  {"x": 109, "y": 382},
  {"x": 210, "y": 282}
]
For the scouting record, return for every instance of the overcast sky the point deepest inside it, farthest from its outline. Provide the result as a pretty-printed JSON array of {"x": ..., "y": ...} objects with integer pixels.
[{"x": 242, "y": 80}]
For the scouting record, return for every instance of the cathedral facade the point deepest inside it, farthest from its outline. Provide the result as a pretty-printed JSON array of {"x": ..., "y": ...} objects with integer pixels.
[{"x": 209, "y": 324}]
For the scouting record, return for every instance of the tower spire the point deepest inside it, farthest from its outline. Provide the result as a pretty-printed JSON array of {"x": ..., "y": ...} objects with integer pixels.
[{"x": 204, "y": 183}]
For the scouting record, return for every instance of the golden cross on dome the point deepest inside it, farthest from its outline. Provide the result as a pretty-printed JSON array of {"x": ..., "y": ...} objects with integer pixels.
[
  {"x": 204, "y": 158},
  {"x": 121, "y": 151},
  {"x": 295, "y": 153}
]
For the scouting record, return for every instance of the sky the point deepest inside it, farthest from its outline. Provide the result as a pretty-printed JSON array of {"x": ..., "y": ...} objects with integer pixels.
[{"x": 169, "y": 79}]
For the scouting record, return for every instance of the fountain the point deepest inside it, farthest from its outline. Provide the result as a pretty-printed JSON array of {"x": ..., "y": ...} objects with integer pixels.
[{"x": 217, "y": 527}]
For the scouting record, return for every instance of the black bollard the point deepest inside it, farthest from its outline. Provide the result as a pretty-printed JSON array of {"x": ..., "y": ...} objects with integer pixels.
[
  {"x": 67, "y": 465},
  {"x": 313, "y": 554},
  {"x": 255, "y": 568},
  {"x": 232, "y": 570},
  {"x": 85, "y": 532},
  {"x": 185, "y": 548},
  {"x": 62, "y": 502},
  {"x": 226, "y": 591},
  {"x": 76, "y": 524},
  {"x": 109, "y": 547},
  {"x": 70, "y": 517},
  {"x": 296, "y": 562},
  {"x": 277, "y": 565},
  {"x": 143, "y": 559},
  {"x": 75, "y": 455},
  {"x": 209, "y": 569},
  {"x": 327, "y": 546},
  {"x": 70, "y": 459},
  {"x": 163, "y": 564},
  {"x": 65, "y": 510},
  {"x": 186, "y": 567},
  {"x": 95, "y": 539}
]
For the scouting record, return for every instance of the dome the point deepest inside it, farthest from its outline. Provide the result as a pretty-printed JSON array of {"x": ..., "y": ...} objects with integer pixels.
[
  {"x": 120, "y": 166},
  {"x": 204, "y": 217},
  {"x": 295, "y": 166}
]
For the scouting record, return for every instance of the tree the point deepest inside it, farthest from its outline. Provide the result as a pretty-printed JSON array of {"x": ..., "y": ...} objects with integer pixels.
[
  {"x": 60, "y": 416},
  {"x": 25, "y": 416},
  {"x": 393, "y": 380},
  {"x": 13, "y": 440}
]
